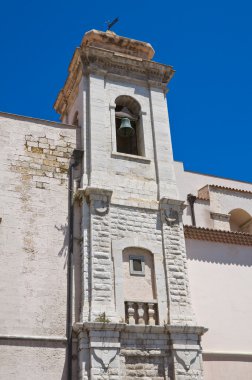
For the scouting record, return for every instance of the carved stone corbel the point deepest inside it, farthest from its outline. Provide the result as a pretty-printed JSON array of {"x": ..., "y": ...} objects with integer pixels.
[
  {"x": 105, "y": 356},
  {"x": 171, "y": 211},
  {"x": 186, "y": 357},
  {"x": 99, "y": 199}
]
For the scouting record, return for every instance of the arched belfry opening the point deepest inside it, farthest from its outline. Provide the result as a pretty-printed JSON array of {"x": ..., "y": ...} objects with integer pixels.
[
  {"x": 129, "y": 131},
  {"x": 240, "y": 221}
]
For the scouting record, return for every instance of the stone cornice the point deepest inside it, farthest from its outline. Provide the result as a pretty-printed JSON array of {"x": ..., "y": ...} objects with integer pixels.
[
  {"x": 172, "y": 202},
  {"x": 219, "y": 216},
  {"x": 69, "y": 91},
  {"x": 144, "y": 329},
  {"x": 120, "y": 44},
  {"x": 186, "y": 329},
  {"x": 92, "y": 60},
  {"x": 97, "y": 192},
  {"x": 97, "y": 59}
]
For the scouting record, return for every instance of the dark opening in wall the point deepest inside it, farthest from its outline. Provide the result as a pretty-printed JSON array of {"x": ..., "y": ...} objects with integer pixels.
[
  {"x": 129, "y": 131},
  {"x": 126, "y": 144}
]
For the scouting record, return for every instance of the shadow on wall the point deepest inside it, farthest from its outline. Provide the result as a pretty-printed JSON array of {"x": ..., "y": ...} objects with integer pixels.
[
  {"x": 63, "y": 228},
  {"x": 218, "y": 253}
]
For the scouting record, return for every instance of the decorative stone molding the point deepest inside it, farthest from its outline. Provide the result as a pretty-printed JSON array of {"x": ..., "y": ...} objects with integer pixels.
[
  {"x": 171, "y": 217},
  {"x": 122, "y": 45},
  {"x": 78, "y": 327},
  {"x": 151, "y": 312},
  {"x": 145, "y": 353},
  {"x": 114, "y": 349},
  {"x": 186, "y": 351},
  {"x": 220, "y": 221},
  {"x": 99, "y": 199},
  {"x": 130, "y": 157},
  {"x": 171, "y": 210},
  {"x": 98, "y": 326},
  {"x": 219, "y": 216},
  {"x": 68, "y": 94},
  {"x": 141, "y": 313},
  {"x": 186, "y": 357},
  {"x": 105, "y": 356},
  {"x": 101, "y": 348},
  {"x": 102, "y": 61},
  {"x": 131, "y": 312},
  {"x": 98, "y": 59},
  {"x": 97, "y": 192},
  {"x": 186, "y": 329}
]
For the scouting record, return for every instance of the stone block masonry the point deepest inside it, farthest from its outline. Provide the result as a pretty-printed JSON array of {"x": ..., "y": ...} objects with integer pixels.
[
  {"x": 34, "y": 158},
  {"x": 44, "y": 160},
  {"x": 119, "y": 351},
  {"x": 180, "y": 309},
  {"x": 115, "y": 350}
]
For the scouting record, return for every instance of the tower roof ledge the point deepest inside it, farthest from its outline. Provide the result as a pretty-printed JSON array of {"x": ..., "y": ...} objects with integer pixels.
[{"x": 110, "y": 41}]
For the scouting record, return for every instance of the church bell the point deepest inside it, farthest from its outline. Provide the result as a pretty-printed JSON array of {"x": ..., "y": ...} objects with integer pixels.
[{"x": 126, "y": 129}]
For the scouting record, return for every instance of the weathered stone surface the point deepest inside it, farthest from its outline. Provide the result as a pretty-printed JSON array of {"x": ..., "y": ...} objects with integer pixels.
[{"x": 34, "y": 212}]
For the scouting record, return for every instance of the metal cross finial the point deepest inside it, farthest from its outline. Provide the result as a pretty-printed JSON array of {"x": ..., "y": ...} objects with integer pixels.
[{"x": 112, "y": 23}]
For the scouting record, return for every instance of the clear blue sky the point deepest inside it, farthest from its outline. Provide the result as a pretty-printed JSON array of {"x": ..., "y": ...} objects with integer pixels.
[{"x": 207, "y": 42}]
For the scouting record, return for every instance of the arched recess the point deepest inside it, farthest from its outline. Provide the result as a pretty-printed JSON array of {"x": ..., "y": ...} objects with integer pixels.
[
  {"x": 128, "y": 111},
  {"x": 139, "y": 275},
  {"x": 240, "y": 221},
  {"x": 139, "y": 245}
]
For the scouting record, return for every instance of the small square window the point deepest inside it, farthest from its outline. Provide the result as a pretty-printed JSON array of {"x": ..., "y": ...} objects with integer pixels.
[{"x": 137, "y": 265}]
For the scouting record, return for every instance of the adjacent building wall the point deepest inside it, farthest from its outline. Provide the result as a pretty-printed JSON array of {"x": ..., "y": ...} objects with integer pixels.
[
  {"x": 34, "y": 156},
  {"x": 224, "y": 202},
  {"x": 221, "y": 282}
]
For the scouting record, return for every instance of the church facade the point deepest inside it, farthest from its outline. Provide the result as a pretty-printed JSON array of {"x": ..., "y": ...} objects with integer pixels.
[{"x": 115, "y": 262}]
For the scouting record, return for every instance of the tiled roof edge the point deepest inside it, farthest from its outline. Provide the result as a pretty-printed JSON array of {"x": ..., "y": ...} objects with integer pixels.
[
  {"x": 218, "y": 236},
  {"x": 230, "y": 189}
]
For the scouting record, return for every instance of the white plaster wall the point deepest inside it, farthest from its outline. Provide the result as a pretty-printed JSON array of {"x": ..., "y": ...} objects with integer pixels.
[
  {"x": 221, "y": 280},
  {"x": 229, "y": 369},
  {"x": 224, "y": 201},
  {"x": 189, "y": 182},
  {"x": 33, "y": 245},
  {"x": 32, "y": 361}
]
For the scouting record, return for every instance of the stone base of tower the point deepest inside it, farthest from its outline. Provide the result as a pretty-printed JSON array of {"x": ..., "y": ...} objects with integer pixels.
[{"x": 113, "y": 351}]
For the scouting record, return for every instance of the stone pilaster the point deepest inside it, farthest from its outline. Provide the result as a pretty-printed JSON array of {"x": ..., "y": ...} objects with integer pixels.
[
  {"x": 83, "y": 355},
  {"x": 186, "y": 352},
  {"x": 99, "y": 348},
  {"x": 101, "y": 299},
  {"x": 179, "y": 303}
]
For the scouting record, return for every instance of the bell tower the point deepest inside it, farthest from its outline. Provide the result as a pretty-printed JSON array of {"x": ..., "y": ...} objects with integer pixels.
[{"x": 136, "y": 317}]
